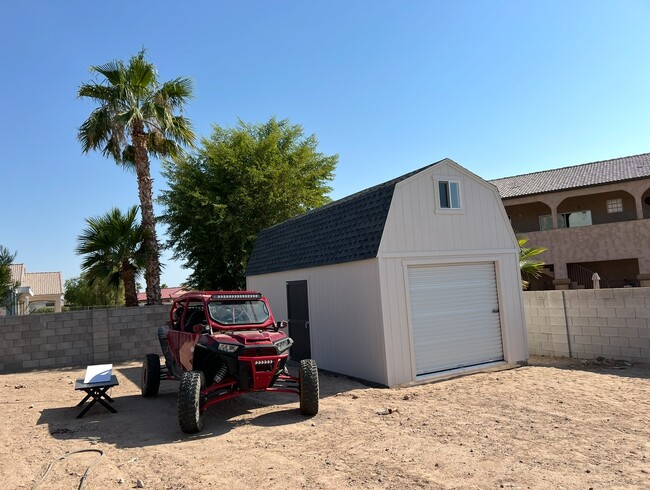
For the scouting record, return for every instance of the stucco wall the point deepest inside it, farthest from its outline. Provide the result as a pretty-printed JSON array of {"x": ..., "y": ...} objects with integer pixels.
[
  {"x": 612, "y": 323},
  {"x": 611, "y": 241},
  {"x": 599, "y": 242},
  {"x": 79, "y": 338}
]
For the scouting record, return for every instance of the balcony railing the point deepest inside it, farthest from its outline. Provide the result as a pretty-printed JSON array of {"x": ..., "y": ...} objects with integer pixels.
[{"x": 583, "y": 276}]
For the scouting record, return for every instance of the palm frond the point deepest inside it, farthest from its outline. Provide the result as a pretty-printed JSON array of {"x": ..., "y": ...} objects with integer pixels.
[
  {"x": 527, "y": 264},
  {"x": 97, "y": 91},
  {"x": 175, "y": 93},
  {"x": 112, "y": 71}
]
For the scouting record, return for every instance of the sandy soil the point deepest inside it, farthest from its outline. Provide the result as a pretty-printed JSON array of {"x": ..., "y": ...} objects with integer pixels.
[{"x": 554, "y": 424}]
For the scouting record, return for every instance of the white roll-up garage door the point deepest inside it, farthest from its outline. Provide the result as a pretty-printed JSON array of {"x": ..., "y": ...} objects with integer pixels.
[{"x": 455, "y": 316}]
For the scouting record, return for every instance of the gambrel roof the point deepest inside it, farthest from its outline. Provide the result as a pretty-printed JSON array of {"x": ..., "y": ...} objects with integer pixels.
[
  {"x": 585, "y": 175},
  {"x": 346, "y": 230}
]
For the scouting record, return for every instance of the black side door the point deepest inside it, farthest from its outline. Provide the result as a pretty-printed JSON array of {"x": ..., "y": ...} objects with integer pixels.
[{"x": 298, "y": 310}]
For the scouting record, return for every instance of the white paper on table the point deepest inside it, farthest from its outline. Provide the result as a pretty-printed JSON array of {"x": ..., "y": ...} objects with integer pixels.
[{"x": 100, "y": 373}]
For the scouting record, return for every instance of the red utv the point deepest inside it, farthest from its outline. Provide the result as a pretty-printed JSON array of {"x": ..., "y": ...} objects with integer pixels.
[{"x": 223, "y": 344}]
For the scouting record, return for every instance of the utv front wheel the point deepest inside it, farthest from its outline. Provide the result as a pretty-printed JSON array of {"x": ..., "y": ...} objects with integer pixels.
[
  {"x": 190, "y": 416},
  {"x": 308, "y": 387},
  {"x": 150, "y": 375}
]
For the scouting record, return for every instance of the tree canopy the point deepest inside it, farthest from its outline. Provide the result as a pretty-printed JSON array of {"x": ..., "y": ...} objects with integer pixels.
[
  {"x": 6, "y": 259},
  {"x": 80, "y": 292},
  {"x": 113, "y": 250},
  {"x": 239, "y": 182},
  {"x": 137, "y": 117}
]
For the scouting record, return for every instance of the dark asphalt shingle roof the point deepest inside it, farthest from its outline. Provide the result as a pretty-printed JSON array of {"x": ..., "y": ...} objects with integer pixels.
[
  {"x": 346, "y": 230},
  {"x": 588, "y": 174}
]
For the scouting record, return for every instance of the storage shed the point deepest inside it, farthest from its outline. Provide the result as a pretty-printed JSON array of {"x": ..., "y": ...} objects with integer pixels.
[{"x": 409, "y": 280}]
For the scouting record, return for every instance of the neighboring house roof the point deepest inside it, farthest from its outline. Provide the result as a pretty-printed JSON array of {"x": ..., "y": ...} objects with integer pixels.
[
  {"x": 346, "y": 230},
  {"x": 40, "y": 283},
  {"x": 165, "y": 293},
  {"x": 17, "y": 273},
  {"x": 585, "y": 175},
  {"x": 44, "y": 283}
]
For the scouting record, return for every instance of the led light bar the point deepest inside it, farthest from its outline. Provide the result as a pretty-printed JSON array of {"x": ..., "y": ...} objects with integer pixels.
[{"x": 237, "y": 296}]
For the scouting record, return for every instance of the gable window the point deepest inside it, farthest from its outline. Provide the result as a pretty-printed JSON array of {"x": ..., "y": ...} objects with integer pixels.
[
  {"x": 449, "y": 194},
  {"x": 615, "y": 205}
]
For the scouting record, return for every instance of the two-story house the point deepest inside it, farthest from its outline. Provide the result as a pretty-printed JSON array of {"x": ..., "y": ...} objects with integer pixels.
[{"x": 592, "y": 218}]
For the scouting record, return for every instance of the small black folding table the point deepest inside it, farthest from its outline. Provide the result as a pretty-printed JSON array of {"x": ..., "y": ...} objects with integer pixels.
[{"x": 96, "y": 391}]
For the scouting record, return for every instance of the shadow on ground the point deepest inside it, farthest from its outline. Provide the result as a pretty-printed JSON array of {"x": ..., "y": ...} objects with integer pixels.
[{"x": 142, "y": 422}]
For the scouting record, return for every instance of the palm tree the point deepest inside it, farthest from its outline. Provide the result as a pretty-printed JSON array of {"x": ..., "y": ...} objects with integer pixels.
[
  {"x": 135, "y": 120},
  {"x": 113, "y": 250},
  {"x": 528, "y": 265}
]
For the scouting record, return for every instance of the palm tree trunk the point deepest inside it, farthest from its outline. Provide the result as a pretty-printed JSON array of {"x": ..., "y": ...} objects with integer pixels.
[
  {"x": 128, "y": 278},
  {"x": 145, "y": 192}
]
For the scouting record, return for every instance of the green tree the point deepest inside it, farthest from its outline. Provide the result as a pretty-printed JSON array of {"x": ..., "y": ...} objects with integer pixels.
[
  {"x": 6, "y": 285},
  {"x": 528, "y": 265},
  {"x": 113, "y": 250},
  {"x": 80, "y": 292},
  {"x": 240, "y": 181},
  {"x": 136, "y": 118}
]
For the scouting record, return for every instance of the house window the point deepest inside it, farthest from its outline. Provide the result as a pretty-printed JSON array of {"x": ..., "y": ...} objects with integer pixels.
[
  {"x": 615, "y": 205},
  {"x": 574, "y": 219},
  {"x": 449, "y": 194},
  {"x": 546, "y": 222}
]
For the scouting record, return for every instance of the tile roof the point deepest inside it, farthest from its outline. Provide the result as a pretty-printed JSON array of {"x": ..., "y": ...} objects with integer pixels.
[
  {"x": 346, "y": 230},
  {"x": 42, "y": 283},
  {"x": 587, "y": 174},
  {"x": 17, "y": 272},
  {"x": 39, "y": 282}
]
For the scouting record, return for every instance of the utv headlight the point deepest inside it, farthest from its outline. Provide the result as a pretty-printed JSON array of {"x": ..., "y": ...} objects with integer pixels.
[
  {"x": 283, "y": 344},
  {"x": 230, "y": 348}
]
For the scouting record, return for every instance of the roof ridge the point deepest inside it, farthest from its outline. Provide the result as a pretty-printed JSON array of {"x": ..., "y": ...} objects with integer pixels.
[
  {"x": 570, "y": 166},
  {"x": 345, "y": 230},
  {"x": 350, "y": 197}
]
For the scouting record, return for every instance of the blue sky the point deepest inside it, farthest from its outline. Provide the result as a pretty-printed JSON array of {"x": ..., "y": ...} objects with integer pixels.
[{"x": 501, "y": 87}]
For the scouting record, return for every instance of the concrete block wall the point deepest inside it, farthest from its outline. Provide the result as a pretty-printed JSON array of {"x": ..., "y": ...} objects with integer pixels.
[
  {"x": 588, "y": 323},
  {"x": 79, "y": 338}
]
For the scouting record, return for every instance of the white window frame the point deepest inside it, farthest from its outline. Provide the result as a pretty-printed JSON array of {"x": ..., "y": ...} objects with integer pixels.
[
  {"x": 545, "y": 219},
  {"x": 461, "y": 197},
  {"x": 563, "y": 222},
  {"x": 614, "y": 205}
]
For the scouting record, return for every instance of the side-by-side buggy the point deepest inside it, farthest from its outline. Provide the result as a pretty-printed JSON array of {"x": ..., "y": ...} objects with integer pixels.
[{"x": 223, "y": 344}]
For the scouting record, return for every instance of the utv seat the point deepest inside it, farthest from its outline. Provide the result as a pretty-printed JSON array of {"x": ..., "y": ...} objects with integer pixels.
[{"x": 195, "y": 317}]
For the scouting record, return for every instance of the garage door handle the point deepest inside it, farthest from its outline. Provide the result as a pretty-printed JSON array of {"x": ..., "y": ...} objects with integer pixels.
[
  {"x": 495, "y": 310},
  {"x": 306, "y": 324}
]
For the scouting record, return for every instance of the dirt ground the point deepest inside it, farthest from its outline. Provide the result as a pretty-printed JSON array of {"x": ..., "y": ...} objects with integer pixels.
[{"x": 553, "y": 424}]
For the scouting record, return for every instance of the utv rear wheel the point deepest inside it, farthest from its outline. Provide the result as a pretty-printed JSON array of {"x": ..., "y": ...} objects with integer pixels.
[
  {"x": 190, "y": 416},
  {"x": 308, "y": 387},
  {"x": 150, "y": 375}
]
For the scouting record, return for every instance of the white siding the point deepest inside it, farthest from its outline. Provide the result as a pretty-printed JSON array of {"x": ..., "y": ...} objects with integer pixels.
[
  {"x": 344, "y": 315},
  {"x": 417, "y": 234},
  {"x": 413, "y": 225},
  {"x": 359, "y": 311},
  {"x": 397, "y": 324}
]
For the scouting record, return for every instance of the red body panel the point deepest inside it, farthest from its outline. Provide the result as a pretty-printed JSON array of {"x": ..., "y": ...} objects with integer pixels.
[{"x": 254, "y": 341}]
